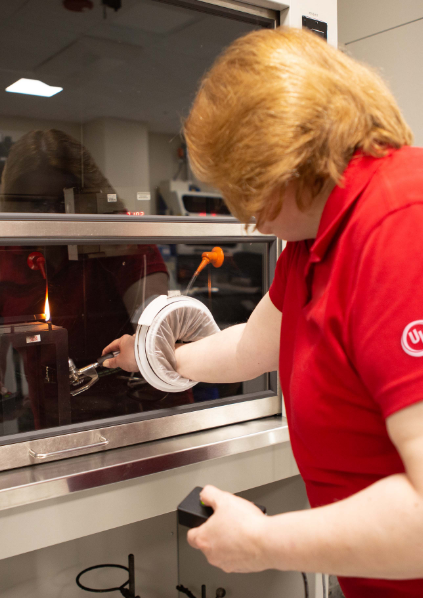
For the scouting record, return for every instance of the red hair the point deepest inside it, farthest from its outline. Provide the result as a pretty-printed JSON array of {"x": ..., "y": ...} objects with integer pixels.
[{"x": 282, "y": 105}]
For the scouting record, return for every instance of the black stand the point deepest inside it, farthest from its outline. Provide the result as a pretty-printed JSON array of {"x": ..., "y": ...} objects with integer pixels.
[{"x": 126, "y": 592}]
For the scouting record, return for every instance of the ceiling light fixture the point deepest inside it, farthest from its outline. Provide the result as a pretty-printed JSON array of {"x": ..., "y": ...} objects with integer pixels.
[{"x": 33, "y": 87}]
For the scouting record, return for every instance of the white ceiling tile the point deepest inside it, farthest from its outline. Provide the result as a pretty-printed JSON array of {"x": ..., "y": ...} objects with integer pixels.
[{"x": 138, "y": 64}]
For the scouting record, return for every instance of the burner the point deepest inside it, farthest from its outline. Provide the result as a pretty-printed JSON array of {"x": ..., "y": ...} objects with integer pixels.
[{"x": 43, "y": 349}]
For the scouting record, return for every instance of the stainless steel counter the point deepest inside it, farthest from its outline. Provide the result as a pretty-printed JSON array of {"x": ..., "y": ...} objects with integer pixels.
[{"x": 60, "y": 478}]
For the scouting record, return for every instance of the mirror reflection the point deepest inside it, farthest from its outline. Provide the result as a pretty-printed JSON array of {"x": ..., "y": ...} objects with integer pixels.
[{"x": 92, "y": 103}]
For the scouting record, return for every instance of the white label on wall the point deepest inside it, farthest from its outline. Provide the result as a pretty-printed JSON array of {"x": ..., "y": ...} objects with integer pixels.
[
  {"x": 33, "y": 339},
  {"x": 111, "y": 197},
  {"x": 143, "y": 196}
]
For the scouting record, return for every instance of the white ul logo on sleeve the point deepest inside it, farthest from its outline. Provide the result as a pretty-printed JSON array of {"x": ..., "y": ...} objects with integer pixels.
[{"x": 412, "y": 339}]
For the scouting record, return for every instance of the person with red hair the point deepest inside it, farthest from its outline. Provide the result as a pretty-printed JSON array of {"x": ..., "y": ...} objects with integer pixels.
[{"x": 313, "y": 145}]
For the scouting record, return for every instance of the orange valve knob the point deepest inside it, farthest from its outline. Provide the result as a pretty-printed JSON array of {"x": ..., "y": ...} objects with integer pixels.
[{"x": 216, "y": 257}]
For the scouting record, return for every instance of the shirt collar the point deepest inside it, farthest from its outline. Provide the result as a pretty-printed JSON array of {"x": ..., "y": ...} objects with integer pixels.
[{"x": 356, "y": 177}]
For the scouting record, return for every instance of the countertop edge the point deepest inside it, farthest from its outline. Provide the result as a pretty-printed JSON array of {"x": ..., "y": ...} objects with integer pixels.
[{"x": 37, "y": 483}]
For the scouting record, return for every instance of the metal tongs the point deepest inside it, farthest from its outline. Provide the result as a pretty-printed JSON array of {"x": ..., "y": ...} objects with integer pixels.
[{"x": 85, "y": 377}]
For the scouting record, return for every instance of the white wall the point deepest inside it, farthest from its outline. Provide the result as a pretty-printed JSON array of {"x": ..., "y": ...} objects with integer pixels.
[
  {"x": 388, "y": 35},
  {"x": 163, "y": 161},
  {"x": 120, "y": 148},
  {"x": 361, "y": 18}
]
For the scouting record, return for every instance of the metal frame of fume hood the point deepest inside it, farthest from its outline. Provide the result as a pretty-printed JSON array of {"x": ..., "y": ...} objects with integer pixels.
[
  {"x": 100, "y": 435},
  {"x": 29, "y": 485}
]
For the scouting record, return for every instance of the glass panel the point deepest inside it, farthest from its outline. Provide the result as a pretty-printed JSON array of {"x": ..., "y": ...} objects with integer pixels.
[
  {"x": 96, "y": 293},
  {"x": 107, "y": 141}
]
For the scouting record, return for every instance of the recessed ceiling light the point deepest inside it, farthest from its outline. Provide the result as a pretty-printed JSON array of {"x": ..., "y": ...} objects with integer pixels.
[{"x": 33, "y": 87}]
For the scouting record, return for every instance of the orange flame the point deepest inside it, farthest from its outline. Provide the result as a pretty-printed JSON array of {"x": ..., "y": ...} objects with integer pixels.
[{"x": 47, "y": 308}]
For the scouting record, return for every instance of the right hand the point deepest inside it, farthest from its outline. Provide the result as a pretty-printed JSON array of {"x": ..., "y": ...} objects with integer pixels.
[{"x": 126, "y": 358}]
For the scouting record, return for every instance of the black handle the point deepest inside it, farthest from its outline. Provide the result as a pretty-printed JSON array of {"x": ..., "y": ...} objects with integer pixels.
[{"x": 104, "y": 358}]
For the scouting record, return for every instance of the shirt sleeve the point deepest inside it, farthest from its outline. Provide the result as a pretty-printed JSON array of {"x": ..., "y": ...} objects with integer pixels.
[
  {"x": 386, "y": 313},
  {"x": 277, "y": 288}
]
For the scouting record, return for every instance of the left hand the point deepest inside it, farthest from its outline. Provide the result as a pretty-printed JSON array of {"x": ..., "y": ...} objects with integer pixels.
[{"x": 233, "y": 538}]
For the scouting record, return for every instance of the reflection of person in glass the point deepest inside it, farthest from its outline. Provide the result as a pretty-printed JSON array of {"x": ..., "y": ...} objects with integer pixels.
[
  {"x": 95, "y": 293},
  {"x": 313, "y": 145}
]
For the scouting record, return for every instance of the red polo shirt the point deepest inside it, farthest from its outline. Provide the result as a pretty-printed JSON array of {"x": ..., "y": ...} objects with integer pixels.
[{"x": 352, "y": 334}]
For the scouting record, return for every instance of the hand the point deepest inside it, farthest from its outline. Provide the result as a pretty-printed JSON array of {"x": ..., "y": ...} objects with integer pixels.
[
  {"x": 233, "y": 538},
  {"x": 126, "y": 358}
]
